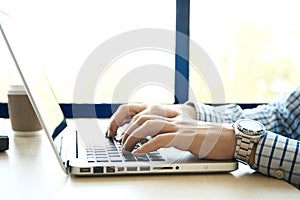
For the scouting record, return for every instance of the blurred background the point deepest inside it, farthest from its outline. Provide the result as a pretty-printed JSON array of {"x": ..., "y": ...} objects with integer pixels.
[{"x": 254, "y": 45}]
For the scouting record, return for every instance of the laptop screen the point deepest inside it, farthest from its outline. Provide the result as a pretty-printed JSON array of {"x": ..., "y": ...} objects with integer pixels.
[{"x": 39, "y": 91}]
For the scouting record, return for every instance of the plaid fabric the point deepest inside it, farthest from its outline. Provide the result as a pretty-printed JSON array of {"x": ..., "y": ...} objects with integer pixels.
[{"x": 277, "y": 153}]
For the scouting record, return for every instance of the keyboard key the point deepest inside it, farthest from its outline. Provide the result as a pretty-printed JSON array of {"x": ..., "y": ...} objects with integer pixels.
[
  {"x": 153, "y": 153},
  {"x": 113, "y": 159},
  {"x": 142, "y": 158},
  {"x": 102, "y": 157},
  {"x": 114, "y": 155},
  {"x": 102, "y": 160},
  {"x": 100, "y": 151},
  {"x": 128, "y": 157},
  {"x": 156, "y": 158},
  {"x": 113, "y": 152},
  {"x": 99, "y": 148}
]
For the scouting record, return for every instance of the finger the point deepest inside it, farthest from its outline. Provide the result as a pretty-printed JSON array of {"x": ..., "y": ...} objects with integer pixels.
[
  {"x": 158, "y": 110},
  {"x": 122, "y": 116},
  {"x": 126, "y": 134},
  {"x": 139, "y": 122},
  {"x": 177, "y": 140},
  {"x": 160, "y": 141},
  {"x": 149, "y": 128}
]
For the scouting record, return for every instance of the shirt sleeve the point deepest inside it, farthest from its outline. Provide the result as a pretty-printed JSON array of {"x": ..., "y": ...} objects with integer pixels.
[
  {"x": 277, "y": 153},
  {"x": 278, "y": 156},
  {"x": 281, "y": 116}
]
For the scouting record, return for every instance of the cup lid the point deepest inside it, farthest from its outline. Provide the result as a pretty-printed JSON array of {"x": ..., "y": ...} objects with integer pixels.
[{"x": 16, "y": 89}]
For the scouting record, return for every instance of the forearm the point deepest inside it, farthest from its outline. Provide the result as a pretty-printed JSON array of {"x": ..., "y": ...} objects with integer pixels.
[
  {"x": 229, "y": 113},
  {"x": 280, "y": 116}
]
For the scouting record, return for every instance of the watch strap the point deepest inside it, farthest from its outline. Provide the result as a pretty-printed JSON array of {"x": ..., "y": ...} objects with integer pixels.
[{"x": 243, "y": 149}]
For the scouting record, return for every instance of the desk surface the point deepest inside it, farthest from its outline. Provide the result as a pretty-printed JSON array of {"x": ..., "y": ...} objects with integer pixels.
[{"x": 29, "y": 170}]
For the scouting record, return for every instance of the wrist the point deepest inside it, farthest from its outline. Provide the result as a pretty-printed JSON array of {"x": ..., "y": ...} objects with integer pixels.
[
  {"x": 248, "y": 133},
  {"x": 252, "y": 156},
  {"x": 225, "y": 145}
]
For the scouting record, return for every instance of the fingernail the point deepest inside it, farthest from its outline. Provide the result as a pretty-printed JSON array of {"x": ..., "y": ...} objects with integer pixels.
[
  {"x": 136, "y": 152},
  {"x": 126, "y": 152},
  {"x": 107, "y": 132}
]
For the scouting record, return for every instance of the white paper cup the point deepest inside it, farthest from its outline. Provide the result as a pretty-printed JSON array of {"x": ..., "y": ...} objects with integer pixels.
[{"x": 23, "y": 119}]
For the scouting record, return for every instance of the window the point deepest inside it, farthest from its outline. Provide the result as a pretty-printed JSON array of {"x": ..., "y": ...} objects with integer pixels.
[
  {"x": 254, "y": 46},
  {"x": 61, "y": 35},
  {"x": 242, "y": 52}
]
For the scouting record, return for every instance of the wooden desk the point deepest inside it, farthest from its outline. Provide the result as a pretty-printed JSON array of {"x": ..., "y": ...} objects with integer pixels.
[{"x": 29, "y": 170}]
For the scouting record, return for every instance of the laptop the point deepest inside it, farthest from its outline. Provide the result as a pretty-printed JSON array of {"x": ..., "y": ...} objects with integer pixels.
[{"x": 81, "y": 147}]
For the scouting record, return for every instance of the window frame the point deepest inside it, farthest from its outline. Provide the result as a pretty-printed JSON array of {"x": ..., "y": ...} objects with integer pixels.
[{"x": 181, "y": 72}]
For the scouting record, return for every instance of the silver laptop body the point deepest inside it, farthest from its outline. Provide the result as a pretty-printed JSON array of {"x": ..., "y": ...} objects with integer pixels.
[{"x": 81, "y": 147}]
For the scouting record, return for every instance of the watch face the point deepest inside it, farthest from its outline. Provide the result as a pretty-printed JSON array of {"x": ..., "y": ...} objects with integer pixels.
[{"x": 251, "y": 126}]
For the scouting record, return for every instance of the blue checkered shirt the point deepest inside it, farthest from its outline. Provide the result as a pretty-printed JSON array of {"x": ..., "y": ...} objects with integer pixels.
[{"x": 277, "y": 153}]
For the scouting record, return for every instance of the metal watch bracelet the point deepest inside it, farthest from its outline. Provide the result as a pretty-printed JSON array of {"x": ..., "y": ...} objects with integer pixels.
[{"x": 243, "y": 149}]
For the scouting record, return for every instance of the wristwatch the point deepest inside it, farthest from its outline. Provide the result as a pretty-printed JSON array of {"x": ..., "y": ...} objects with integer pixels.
[{"x": 247, "y": 132}]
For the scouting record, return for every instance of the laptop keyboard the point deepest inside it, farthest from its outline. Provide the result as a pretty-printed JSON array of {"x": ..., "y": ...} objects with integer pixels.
[{"x": 111, "y": 152}]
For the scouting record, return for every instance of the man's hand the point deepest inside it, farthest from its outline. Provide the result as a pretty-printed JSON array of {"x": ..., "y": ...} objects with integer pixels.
[
  {"x": 136, "y": 113},
  {"x": 172, "y": 126}
]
